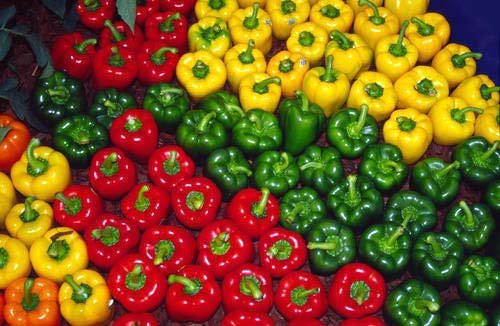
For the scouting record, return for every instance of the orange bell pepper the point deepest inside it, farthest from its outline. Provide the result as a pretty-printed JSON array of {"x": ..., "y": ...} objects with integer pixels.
[{"x": 14, "y": 138}]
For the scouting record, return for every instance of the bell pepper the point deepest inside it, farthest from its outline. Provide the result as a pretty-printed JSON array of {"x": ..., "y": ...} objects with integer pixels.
[
  {"x": 223, "y": 247},
  {"x": 210, "y": 34},
  {"x": 93, "y": 13},
  {"x": 420, "y": 88},
  {"x": 73, "y": 54},
  {"x": 356, "y": 290},
  {"x": 429, "y": 32},
  {"x": 30, "y": 220},
  {"x": 183, "y": 6},
  {"x": 7, "y": 197},
  {"x": 260, "y": 91},
  {"x": 136, "y": 318},
  {"x": 406, "y": 9},
  {"x": 247, "y": 287},
  {"x": 413, "y": 302},
  {"x": 456, "y": 63},
  {"x": 331, "y": 245},
  {"x": 215, "y": 8},
  {"x": 373, "y": 23},
  {"x": 286, "y": 14},
  {"x": 320, "y": 168},
  {"x": 479, "y": 160},
  {"x": 247, "y": 318},
  {"x": 38, "y": 167},
  {"x": 275, "y": 170},
  {"x": 108, "y": 104},
  {"x": 479, "y": 280},
  {"x": 301, "y": 294},
  {"x": 144, "y": 8},
  {"x": 422, "y": 212},
  {"x": 114, "y": 67},
  {"x": 242, "y": 60},
  {"x": 332, "y": 15},
  {"x": 193, "y": 294},
  {"x": 488, "y": 124},
  {"x": 156, "y": 62},
  {"x": 436, "y": 179},
  {"x": 300, "y": 209},
  {"x": 119, "y": 34},
  {"x": 258, "y": 131},
  {"x": 31, "y": 301},
  {"x": 352, "y": 54},
  {"x": 14, "y": 138},
  {"x": 111, "y": 173},
  {"x": 308, "y": 39},
  {"x": 356, "y": 7},
  {"x": 136, "y": 133},
  {"x": 169, "y": 27},
  {"x": 14, "y": 260},
  {"x": 79, "y": 137},
  {"x": 254, "y": 211},
  {"x": 436, "y": 257},
  {"x": 290, "y": 68},
  {"x": 411, "y": 131},
  {"x": 326, "y": 80},
  {"x": 195, "y": 201},
  {"x": 478, "y": 91},
  {"x": 251, "y": 23},
  {"x": 57, "y": 97},
  {"x": 464, "y": 313},
  {"x": 226, "y": 107},
  {"x": 249, "y": 3},
  {"x": 365, "y": 321},
  {"x": 491, "y": 196},
  {"x": 169, "y": 247}
]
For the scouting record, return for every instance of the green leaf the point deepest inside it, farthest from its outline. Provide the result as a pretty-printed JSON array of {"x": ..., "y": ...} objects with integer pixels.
[
  {"x": 126, "y": 9},
  {"x": 47, "y": 71},
  {"x": 8, "y": 85},
  {"x": 6, "y": 14},
  {"x": 20, "y": 30},
  {"x": 58, "y": 7},
  {"x": 6, "y": 41},
  {"x": 42, "y": 55}
]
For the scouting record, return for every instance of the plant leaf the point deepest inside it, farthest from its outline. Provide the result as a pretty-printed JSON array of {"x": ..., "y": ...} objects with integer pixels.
[
  {"x": 47, "y": 71},
  {"x": 6, "y": 41},
  {"x": 8, "y": 85},
  {"x": 6, "y": 14},
  {"x": 58, "y": 7},
  {"x": 41, "y": 53},
  {"x": 20, "y": 30},
  {"x": 126, "y": 9}
]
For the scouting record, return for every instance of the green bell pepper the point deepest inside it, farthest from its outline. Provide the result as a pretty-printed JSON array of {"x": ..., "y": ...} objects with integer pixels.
[
  {"x": 413, "y": 303},
  {"x": 79, "y": 137},
  {"x": 472, "y": 225},
  {"x": 420, "y": 210},
  {"x": 225, "y": 105},
  {"x": 331, "y": 245},
  {"x": 355, "y": 202},
  {"x": 300, "y": 208},
  {"x": 258, "y": 131},
  {"x": 320, "y": 168},
  {"x": 276, "y": 171},
  {"x": 108, "y": 104},
  {"x": 301, "y": 122},
  {"x": 495, "y": 316},
  {"x": 57, "y": 97},
  {"x": 351, "y": 131},
  {"x": 437, "y": 180},
  {"x": 479, "y": 280},
  {"x": 168, "y": 103},
  {"x": 463, "y": 313},
  {"x": 491, "y": 196}
]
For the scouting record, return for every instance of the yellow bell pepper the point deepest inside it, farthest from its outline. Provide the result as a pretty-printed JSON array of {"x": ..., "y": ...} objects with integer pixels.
[
  {"x": 260, "y": 91},
  {"x": 285, "y": 14},
  {"x": 251, "y": 23},
  {"x": 85, "y": 300},
  {"x": 488, "y": 124},
  {"x": 478, "y": 91},
  {"x": 375, "y": 90},
  {"x": 215, "y": 8},
  {"x": 30, "y": 220},
  {"x": 374, "y": 22},
  {"x": 14, "y": 260},
  {"x": 452, "y": 120},
  {"x": 326, "y": 87},
  {"x": 332, "y": 15},
  {"x": 395, "y": 55},
  {"x": 354, "y": 4},
  {"x": 200, "y": 73},
  {"x": 406, "y": 9},
  {"x": 310, "y": 40},
  {"x": 411, "y": 131},
  {"x": 41, "y": 172},
  {"x": 7, "y": 197},
  {"x": 456, "y": 62},
  {"x": 352, "y": 54},
  {"x": 290, "y": 68},
  {"x": 241, "y": 60},
  {"x": 249, "y": 3},
  {"x": 420, "y": 88},
  {"x": 209, "y": 34},
  {"x": 58, "y": 252},
  {"x": 429, "y": 33}
]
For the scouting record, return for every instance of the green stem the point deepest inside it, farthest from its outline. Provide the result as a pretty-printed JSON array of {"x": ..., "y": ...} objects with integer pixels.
[
  {"x": 423, "y": 28},
  {"x": 200, "y": 70},
  {"x": 426, "y": 87},
  {"x": 427, "y": 304},
  {"x": 58, "y": 250},
  {"x": 374, "y": 90},
  {"x": 109, "y": 166},
  {"x": 393, "y": 165},
  {"x": 330, "y": 75},
  {"x": 458, "y": 60},
  {"x": 116, "y": 60},
  {"x": 343, "y": 41},
  {"x": 437, "y": 249},
  {"x": 82, "y": 47},
  {"x": 195, "y": 200},
  {"x": 359, "y": 292},
  {"x": 113, "y": 110},
  {"x": 142, "y": 203},
  {"x": 117, "y": 36},
  {"x": 72, "y": 206},
  {"x": 376, "y": 18},
  {"x": 135, "y": 279},
  {"x": 286, "y": 65},
  {"x": 393, "y": 238},
  {"x": 450, "y": 167},
  {"x": 30, "y": 300},
  {"x": 486, "y": 91},
  {"x": 168, "y": 25},
  {"x": 203, "y": 124},
  {"x": 36, "y": 165},
  {"x": 297, "y": 209},
  {"x": 356, "y": 129},
  {"x": 490, "y": 151},
  {"x": 133, "y": 124},
  {"x": 288, "y": 6},
  {"x": 322, "y": 246},
  {"x": 250, "y": 285},
  {"x": 91, "y": 5},
  {"x": 4, "y": 257},
  {"x": 237, "y": 169},
  {"x": 254, "y": 118},
  {"x": 406, "y": 124},
  {"x": 158, "y": 58},
  {"x": 171, "y": 166},
  {"x": 329, "y": 11},
  {"x": 306, "y": 38},
  {"x": 313, "y": 165},
  {"x": 398, "y": 49},
  {"x": 300, "y": 295},
  {"x": 191, "y": 287},
  {"x": 262, "y": 87},
  {"x": 109, "y": 235},
  {"x": 216, "y": 4},
  {"x": 353, "y": 193},
  {"x": 469, "y": 217},
  {"x": 246, "y": 57},
  {"x": 459, "y": 114},
  {"x": 220, "y": 244},
  {"x": 259, "y": 208},
  {"x": 81, "y": 292},
  {"x": 282, "y": 165},
  {"x": 252, "y": 22},
  {"x": 164, "y": 250},
  {"x": 29, "y": 214}
]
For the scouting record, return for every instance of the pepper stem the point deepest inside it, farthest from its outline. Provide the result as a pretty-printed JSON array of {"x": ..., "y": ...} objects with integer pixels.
[
  {"x": 322, "y": 246},
  {"x": 376, "y": 18},
  {"x": 286, "y": 65},
  {"x": 237, "y": 169},
  {"x": 306, "y": 38},
  {"x": 359, "y": 292},
  {"x": 91, "y": 5},
  {"x": 109, "y": 235},
  {"x": 406, "y": 124},
  {"x": 393, "y": 238},
  {"x": 171, "y": 166},
  {"x": 164, "y": 250},
  {"x": 374, "y": 90},
  {"x": 82, "y": 47},
  {"x": 81, "y": 292},
  {"x": 330, "y": 75},
  {"x": 116, "y": 35},
  {"x": 262, "y": 87},
  {"x": 203, "y": 124},
  {"x": 158, "y": 58},
  {"x": 116, "y": 60},
  {"x": 282, "y": 165},
  {"x": 220, "y": 244},
  {"x": 343, "y": 41},
  {"x": 250, "y": 285},
  {"x": 58, "y": 250},
  {"x": 133, "y": 124},
  {"x": 29, "y": 214},
  {"x": 251, "y": 22},
  {"x": 195, "y": 200},
  {"x": 354, "y": 130},
  {"x": 426, "y": 87},
  {"x": 391, "y": 165},
  {"x": 288, "y": 6},
  {"x": 490, "y": 151},
  {"x": 246, "y": 57},
  {"x": 297, "y": 209},
  {"x": 72, "y": 205},
  {"x": 398, "y": 49},
  {"x": 469, "y": 217},
  {"x": 450, "y": 167},
  {"x": 30, "y": 300},
  {"x": 303, "y": 100},
  {"x": 458, "y": 60},
  {"x": 259, "y": 208},
  {"x": 437, "y": 250},
  {"x": 216, "y": 4},
  {"x": 112, "y": 109},
  {"x": 300, "y": 295},
  {"x": 200, "y": 70},
  {"x": 280, "y": 250},
  {"x": 4, "y": 257},
  {"x": 168, "y": 25},
  {"x": 459, "y": 114},
  {"x": 191, "y": 286},
  {"x": 329, "y": 11},
  {"x": 423, "y": 28},
  {"x": 135, "y": 279},
  {"x": 486, "y": 91},
  {"x": 427, "y": 304},
  {"x": 353, "y": 192},
  {"x": 256, "y": 120},
  {"x": 36, "y": 165},
  {"x": 142, "y": 202},
  {"x": 109, "y": 166}
]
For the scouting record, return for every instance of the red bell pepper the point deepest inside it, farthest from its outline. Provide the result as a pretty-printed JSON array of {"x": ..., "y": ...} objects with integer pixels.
[
  {"x": 119, "y": 34},
  {"x": 247, "y": 318},
  {"x": 76, "y": 206},
  {"x": 157, "y": 62},
  {"x": 169, "y": 247},
  {"x": 93, "y": 13},
  {"x": 14, "y": 139},
  {"x": 170, "y": 27},
  {"x": 169, "y": 165},
  {"x": 73, "y": 54},
  {"x": 113, "y": 67},
  {"x": 137, "y": 284},
  {"x": 254, "y": 211},
  {"x": 109, "y": 238},
  {"x": 111, "y": 173},
  {"x": 366, "y": 321},
  {"x": 145, "y": 8},
  {"x": 357, "y": 290},
  {"x": 248, "y": 287},
  {"x": 146, "y": 205},
  {"x": 185, "y": 7},
  {"x": 302, "y": 321},
  {"x": 193, "y": 294},
  {"x": 300, "y": 294},
  {"x": 136, "y": 133},
  {"x": 195, "y": 202},
  {"x": 136, "y": 319},
  {"x": 222, "y": 247},
  {"x": 281, "y": 251}
]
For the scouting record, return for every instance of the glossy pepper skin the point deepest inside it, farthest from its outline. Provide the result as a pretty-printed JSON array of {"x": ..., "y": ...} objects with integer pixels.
[
  {"x": 247, "y": 318},
  {"x": 73, "y": 54},
  {"x": 182, "y": 6},
  {"x": 479, "y": 160},
  {"x": 94, "y": 13},
  {"x": 7, "y": 197},
  {"x": 136, "y": 318},
  {"x": 356, "y": 7},
  {"x": 14, "y": 138},
  {"x": 170, "y": 27},
  {"x": 478, "y": 91},
  {"x": 210, "y": 34},
  {"x": 114, "y": 67},
  {"x": 464, "y": 313},
  {"x": 372, "y": 23},
  {"x": 215, "y": 8},
  {"x": 286, "y": 14},
  {"x": 365, "y": 321},
  {"x": 14, "y": 260},
  {"x": 479, "y": 280},
  {"x": 156, "y": 62},
  {"x": 488, "y": 124},
  {"x": 310, "y": 40},
  {"x": 290, "y": 68},
  {"x": 407, "y": 9},
  {"x": 276, "y": 171},
  {"x": 491, "y": 196},
  {"x": 260, "y": 91},
  {"x": 226, "y": 107},
  {"x": 145, "y": 8},
  {"x": 108, "y": 104},
  {"x": 300, "y": 209},
  {"x": 332, "y": 15},
  {"x": 120, "y": 34},
  {"x": 456, "y": 62}
]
